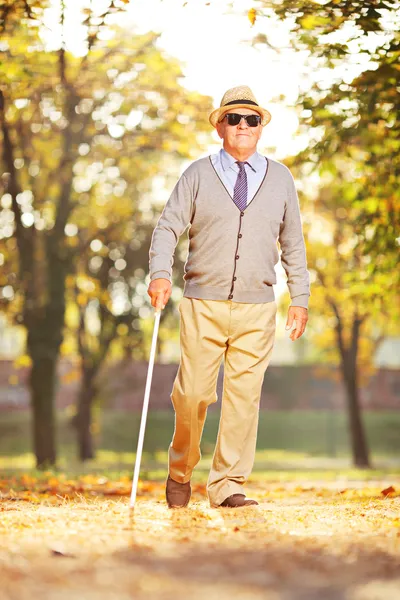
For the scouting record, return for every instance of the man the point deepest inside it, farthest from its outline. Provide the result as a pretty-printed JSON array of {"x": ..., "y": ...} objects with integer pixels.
[{"x": 238, "y": 204}]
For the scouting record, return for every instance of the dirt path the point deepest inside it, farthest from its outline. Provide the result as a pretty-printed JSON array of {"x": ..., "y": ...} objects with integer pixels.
[{"x": 308, "y": 542}]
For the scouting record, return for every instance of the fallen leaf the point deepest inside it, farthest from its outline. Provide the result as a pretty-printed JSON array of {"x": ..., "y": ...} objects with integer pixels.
[
  {"x": 388, "y": 490},
  {"x": 59, "y": 552},
  {"x": 252, "y": 14}
]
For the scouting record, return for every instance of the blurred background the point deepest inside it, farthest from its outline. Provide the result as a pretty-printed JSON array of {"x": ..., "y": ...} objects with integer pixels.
[{"x": 102, "y": 106}]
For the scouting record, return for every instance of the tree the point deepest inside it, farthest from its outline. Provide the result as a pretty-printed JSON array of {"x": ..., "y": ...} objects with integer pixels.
[
  {"x": 357, "y": 116},
  {"x": 355, "y": 152},
  {"x": 353, "y": 128},
  {"x": 345, "y": 293},
  {"x": 106, "y": 296},
  {"x": 71, "y": 125}
]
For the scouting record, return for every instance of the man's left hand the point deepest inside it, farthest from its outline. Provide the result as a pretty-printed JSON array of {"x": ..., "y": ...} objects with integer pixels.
[{"x": 300, "y": 315}]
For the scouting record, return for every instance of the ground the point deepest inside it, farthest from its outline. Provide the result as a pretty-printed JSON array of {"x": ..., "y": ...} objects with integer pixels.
[{"x": 63, "y": 538}]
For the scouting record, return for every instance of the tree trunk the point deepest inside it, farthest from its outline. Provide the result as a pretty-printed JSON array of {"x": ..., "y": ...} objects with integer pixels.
[
  {"x": 42, "y": 384},
  {"x": 45, "y": 334},
  {"x": 357, "y": 434},
  {"x": 90, "y": 366},
  {"x": 84, "y": 417},
  {"x": 349, "y": 369}
]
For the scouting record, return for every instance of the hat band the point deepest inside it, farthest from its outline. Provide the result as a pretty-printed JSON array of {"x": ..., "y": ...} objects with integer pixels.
[{"x": 241, "y": 102}]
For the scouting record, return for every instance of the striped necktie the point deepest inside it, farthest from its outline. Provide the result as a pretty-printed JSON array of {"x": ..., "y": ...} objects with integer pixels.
[{"x": 240, "y": 190}]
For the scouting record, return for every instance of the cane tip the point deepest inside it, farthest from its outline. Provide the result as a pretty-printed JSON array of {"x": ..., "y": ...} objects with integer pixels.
[{"x": 131, "y": 514}]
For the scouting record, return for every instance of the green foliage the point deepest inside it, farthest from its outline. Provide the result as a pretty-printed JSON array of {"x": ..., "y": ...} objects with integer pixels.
[
  {"x": 99, "y": 127},
  {"x": 286, "y": 439},
  {"x": 357, "y": 122},
  {"x": 354, "y": 132},
  {"x": 13, "y": 12},
  {"x": 83, "y": 138}
]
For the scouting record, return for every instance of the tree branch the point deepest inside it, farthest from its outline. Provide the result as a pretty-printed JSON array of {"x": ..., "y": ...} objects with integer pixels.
[{"x": 24, "y": 235}]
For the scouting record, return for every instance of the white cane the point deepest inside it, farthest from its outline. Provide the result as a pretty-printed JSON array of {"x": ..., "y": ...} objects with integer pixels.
[{"x": 145, "y": 407}]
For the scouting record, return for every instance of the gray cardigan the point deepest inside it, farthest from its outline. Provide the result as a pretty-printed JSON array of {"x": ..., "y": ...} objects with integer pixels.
[{"x": 232, "y": 253}]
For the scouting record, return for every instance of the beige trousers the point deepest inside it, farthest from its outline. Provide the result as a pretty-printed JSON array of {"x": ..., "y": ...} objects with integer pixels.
[{"x": 244, "y": 335}]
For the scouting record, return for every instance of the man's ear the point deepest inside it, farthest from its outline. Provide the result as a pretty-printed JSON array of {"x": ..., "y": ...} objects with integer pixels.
[{"x": 219, "y": 127}]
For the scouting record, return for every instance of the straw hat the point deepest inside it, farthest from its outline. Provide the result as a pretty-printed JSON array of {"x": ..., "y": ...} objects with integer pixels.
[{"x": 239, "y": 97}]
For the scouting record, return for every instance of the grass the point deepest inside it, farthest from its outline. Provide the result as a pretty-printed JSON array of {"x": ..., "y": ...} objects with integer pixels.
[{"x": 290, "y": 444}]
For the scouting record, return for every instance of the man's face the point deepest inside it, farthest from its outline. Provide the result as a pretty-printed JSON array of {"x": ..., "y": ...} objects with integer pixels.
[{"x": 240, "y": 137}]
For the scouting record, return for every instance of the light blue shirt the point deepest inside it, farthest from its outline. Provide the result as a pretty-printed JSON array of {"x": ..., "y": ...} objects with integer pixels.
[{"x": 228, "y": 170}]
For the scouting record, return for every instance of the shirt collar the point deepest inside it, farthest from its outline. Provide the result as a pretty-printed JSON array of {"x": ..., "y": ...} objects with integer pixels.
[{"x": 227, "y": 161}]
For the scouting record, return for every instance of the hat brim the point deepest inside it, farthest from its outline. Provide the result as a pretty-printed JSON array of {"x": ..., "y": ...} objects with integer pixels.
[{"x": 217, "y": 114}]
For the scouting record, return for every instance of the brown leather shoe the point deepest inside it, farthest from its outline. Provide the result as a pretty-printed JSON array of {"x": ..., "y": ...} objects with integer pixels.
[
  {"x": 237, "y": 500},
  {"x": 177, "y": 494}
]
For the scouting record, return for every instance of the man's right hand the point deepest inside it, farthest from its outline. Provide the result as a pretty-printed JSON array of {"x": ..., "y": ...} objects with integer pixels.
[{"x": 159, "y": 291}]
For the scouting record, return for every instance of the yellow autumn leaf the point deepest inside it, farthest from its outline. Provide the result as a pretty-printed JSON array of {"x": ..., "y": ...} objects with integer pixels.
[
  {"x": 251, "y": 15},
  {"x": 22, "y": 361},
  {"x": 309, "y": 21},
  {"x": 81, "y": 299},
  {"x": 123, "y": 329}
]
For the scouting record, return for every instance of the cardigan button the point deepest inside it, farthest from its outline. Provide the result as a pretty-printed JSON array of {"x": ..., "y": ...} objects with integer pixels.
[
  {"x": 230, "y": 296},
  {"x": 241, "y": 213},
  {"x": 240, "y": 235},
  {"x": 237, "y": 256},
  {"x": 234, "y": 279}
]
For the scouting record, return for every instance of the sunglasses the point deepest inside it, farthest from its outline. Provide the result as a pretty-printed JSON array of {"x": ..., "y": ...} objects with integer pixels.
[{"x": 235, "y": 118}]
